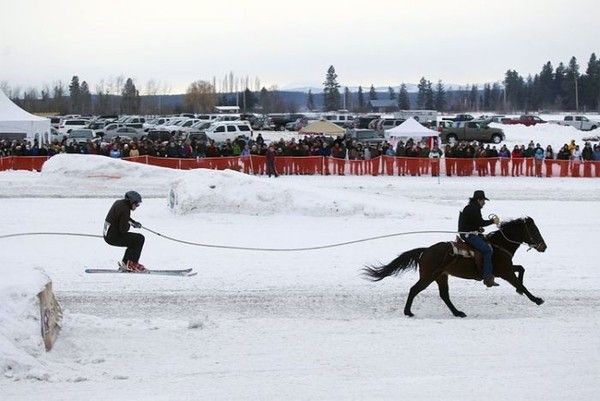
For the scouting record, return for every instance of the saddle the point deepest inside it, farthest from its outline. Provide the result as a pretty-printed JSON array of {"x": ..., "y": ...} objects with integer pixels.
[{"x": 461, "y": 249}]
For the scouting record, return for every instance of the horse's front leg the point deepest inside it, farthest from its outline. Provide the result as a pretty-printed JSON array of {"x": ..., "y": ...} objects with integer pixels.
[
  {"x": 520, "y": 270},
  {"x": 512, "y": 279}
]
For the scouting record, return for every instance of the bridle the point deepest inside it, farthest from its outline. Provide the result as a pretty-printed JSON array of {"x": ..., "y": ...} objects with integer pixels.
[{"x": 530, "y": 241}]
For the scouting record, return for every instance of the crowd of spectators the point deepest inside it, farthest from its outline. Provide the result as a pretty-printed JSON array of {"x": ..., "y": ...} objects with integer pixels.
[{"x": 532, "y": 156}]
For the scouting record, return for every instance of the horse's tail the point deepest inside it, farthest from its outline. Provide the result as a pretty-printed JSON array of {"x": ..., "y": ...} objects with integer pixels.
[{"x": 408, "y": 260}]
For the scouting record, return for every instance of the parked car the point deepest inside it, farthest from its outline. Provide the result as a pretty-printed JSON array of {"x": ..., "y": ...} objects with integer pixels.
[
  {"x": 221, "y": 131},
  {"x": 133, "y": 133},
  {"x": 460, "y": 117},
  {"x": 134, "y": 122},
  {"x": 81, "y": 135},
  {"x": 471, "y": 131},
  {"x": 382, "y": 124},
  {"x": 159, "y": 135},
  {"x": 527, "y": 120},
  {"x": 368, "y": 136},
  {"x": 580, "y": 122},
  {"x": 55, "y": 121},
  {"x": 68, "y": 125},
  {"x": 155, "y": 122}
]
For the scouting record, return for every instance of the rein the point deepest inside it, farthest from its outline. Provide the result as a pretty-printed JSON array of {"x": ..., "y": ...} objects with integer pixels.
[{"x": 530, "y": 242}]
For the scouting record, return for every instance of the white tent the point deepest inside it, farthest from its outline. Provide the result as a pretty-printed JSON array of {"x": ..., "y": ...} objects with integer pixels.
[
  {"x": 410, "y": 128},
  {"x": 16, "y": 122}
]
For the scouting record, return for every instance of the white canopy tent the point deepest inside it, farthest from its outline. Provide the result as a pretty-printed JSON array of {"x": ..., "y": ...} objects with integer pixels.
[
  {"x": 17, "y": 123},
  {"x": 410, "y": 128}
]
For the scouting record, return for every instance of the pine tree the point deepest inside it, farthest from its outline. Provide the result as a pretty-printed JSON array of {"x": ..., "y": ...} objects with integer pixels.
[
  {"x": 331, "y": 91},
  {"x": 474, "y": 97},
  {"x": 571, "y": 85},
  {"x": 421, "y": 93},
  {"x": 559, "y": 86},
  {"x": 391, "y": 93},
  {"x": 591, "y": 84},
  {"x": 496, "y": 97},
  {"x": 130, "y": 98},
  {"x": 403, "y": 100},
  {"x": 250, "y": 100},
  {"x": 347, "y": 99},
  {"x": 487, "y": 94},
  {"x": 85, "y": 99},
  {"x": 59, "y": 102},
  {"x": 372, "y": 93},
  {"x": 310, "y": 101},
  {"x": 74, "y": 95},
  {"x": 361, "y": 99},
  {"x": 429, "y": 102},
  {"x": 440, "y": 97}
]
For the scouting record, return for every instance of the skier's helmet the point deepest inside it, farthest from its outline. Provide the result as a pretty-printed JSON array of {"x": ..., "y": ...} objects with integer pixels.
[{"x": 133, "y": 197}]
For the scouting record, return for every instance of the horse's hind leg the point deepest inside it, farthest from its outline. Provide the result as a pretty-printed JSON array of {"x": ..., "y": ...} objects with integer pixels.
[
  {"x": 442, "y": 282},
  {"x": 512, "y": 279},
  {"x": 520, "y": 270},
  {"x": 414, "y": 290}
]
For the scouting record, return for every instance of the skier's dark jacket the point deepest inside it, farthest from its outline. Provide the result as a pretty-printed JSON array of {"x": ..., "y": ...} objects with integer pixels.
[
  {"x": 470, "y": 219},
  {"x": 118, "y": 217}
]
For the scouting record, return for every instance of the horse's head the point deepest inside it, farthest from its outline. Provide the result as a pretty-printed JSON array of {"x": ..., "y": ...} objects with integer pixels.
[
  {"x": 533, "y": 236},
  {"x": 523, "y": 231}
]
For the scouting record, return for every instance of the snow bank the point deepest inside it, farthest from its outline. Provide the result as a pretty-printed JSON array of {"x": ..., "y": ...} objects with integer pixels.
[
  {"x": 544, "y": 134},
  {"x": 102, "y": 167},
  {"x": 207, "y": 191},
  {"x": 20, "y": 340}
]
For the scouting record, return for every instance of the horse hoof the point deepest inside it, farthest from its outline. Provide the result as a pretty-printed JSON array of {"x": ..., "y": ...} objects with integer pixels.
[
  {"x": 539, "y": 301},
  {"x": 460, "y": 314},
  {"x": 409, "y": 314},
  {"x": 519, "y": 292}
]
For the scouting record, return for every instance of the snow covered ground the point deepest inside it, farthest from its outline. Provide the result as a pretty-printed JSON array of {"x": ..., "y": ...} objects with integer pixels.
[{"x": 299, "y": 325}]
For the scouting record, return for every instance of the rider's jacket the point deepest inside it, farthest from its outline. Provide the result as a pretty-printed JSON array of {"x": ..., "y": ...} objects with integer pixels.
[{"x": 470, "y": 219}]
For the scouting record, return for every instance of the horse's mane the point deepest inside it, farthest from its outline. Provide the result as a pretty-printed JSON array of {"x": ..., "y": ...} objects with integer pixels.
[
  {"x": 508, "y": 224},
  {"x": 513, "y": 222}
]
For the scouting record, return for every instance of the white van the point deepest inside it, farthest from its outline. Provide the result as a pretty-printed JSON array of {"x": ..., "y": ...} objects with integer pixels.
[
  {"x": 224, "y": 130},
  {"x": 67, "y": 125}
]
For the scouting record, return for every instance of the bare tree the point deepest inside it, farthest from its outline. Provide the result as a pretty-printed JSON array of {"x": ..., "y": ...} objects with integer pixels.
[{"x": 200, "y": 97}]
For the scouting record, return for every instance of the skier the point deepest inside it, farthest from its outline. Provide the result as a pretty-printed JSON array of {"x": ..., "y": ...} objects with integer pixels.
[{"x": 116, "y": 231}]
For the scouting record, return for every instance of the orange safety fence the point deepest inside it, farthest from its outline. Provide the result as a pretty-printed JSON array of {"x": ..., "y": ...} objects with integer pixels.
[{"x": 382, "y": 165}]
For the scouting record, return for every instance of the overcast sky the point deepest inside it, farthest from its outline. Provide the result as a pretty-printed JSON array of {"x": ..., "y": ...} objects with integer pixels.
[{"x": 290, "y": 44}]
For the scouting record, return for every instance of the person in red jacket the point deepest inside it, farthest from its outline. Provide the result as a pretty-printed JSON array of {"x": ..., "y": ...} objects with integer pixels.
[{"x": 517, "y": 160}]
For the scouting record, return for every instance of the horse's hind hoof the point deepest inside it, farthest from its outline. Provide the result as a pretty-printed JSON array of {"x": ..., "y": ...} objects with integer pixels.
[
  {"x": 409, "y": 314},
  {"x": 460, "y": 314},
  {"x": 539, "y": 301}
]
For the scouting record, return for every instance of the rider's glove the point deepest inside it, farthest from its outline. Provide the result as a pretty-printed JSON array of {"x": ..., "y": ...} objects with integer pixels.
[{"x": 135, "y": 224}]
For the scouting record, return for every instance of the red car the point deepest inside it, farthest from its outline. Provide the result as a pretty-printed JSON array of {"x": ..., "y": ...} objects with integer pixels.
[{"x": 525, "y": 120}]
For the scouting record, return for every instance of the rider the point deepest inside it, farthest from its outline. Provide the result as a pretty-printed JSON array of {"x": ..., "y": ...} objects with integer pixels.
[
  {"x": 470, "y": 220},
  {"x": 116, "y": 231}
]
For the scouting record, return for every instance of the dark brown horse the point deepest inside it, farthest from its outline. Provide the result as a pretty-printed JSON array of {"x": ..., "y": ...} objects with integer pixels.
[{"x": 438, "y": 261}]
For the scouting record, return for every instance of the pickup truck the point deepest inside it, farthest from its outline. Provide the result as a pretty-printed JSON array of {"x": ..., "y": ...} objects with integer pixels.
[
  {"x": 526, "y": 120},
  {"x": 580, "y": 122},
  {"x": 460, "y": 117},
  {"x": 471, "y": 131}
]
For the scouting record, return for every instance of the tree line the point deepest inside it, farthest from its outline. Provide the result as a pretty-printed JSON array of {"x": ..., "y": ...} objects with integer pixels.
[{"x": 553, "y": 89}]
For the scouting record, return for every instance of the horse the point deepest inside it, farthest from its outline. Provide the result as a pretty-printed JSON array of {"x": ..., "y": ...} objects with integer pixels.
[{"x": 438, "y": 261}]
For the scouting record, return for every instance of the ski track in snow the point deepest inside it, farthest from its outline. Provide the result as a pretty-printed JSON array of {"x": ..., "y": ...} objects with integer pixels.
[{"x": 299, "y": 326}]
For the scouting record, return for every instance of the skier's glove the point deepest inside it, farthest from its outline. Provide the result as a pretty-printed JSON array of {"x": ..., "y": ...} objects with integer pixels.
[{"x": 136, "y": 224}]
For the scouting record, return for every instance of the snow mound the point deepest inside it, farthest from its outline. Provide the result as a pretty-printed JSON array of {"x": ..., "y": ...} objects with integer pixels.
[
  {"x": 208, "y": 191},
  {"x": 20, "y": 340},
  {"x": 544, "y": 134},
  {"x": 102, "y": 167}
]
